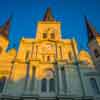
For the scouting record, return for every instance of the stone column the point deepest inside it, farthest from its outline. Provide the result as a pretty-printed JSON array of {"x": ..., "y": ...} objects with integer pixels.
[
  {"x": 59, "y": 81},
  {"x": 27, "y": 79}
]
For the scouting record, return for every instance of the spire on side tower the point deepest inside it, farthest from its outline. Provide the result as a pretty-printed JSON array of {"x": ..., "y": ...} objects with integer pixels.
[
  {"x": 4, "y": 29},
  {"x": 91, "y": 30}
]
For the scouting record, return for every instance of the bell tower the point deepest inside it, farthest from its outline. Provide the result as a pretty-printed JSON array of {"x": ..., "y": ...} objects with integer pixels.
[
  {"x": 93, "y": 43},
  {"x": 48, "y": 28}
]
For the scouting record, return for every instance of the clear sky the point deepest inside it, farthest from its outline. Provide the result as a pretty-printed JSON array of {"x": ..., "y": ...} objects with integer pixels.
[{"x": 26, "y": 14}]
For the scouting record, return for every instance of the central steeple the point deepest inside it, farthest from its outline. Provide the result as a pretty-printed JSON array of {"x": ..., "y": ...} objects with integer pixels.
[
  {"x": 48, "y": 15},
  {"x": 48, "y": 28}
]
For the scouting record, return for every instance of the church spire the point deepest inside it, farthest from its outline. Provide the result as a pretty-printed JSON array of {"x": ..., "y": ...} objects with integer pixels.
[
  {"x": 4, "y": 30},
  {"x": 48, "y": 15},
  {"x": 91, "y": 30}
]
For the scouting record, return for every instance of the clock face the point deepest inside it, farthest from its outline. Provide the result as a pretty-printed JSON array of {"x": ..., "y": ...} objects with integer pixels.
[{"x": 47, "y": 48}]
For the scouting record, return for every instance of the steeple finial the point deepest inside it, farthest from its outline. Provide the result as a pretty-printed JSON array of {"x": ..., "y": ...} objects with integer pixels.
[
  {"x": 48, "y": 15},
  {"x": 90, "y": 29},
  {"x": 4, "y": 30}
]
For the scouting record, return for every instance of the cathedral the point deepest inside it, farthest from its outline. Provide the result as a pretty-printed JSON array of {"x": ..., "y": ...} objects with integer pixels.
[{"x": 49, "y": 67}]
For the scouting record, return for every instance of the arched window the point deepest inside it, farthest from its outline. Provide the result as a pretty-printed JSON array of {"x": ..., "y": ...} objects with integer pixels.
[
  {"x": 36, "y": 50},
  {"x": 60, "y": 48},
  {"x": 52, "y": 35},
  {"x": 0, "y": 49},
  {"x": 96, "y": 52},
  {"x": 64, "y": 85},
  {"x": 94, "y": 85},
  {"x": 27, "y": 55},
  {"x": 52, "y": 85},
  {"x": 2, "y": 83},
  {"x": 44, "y": 35},
  {"x": 44, "y": 85},
  {"x": 48, "y": 58},
  {"x": 70, "y": 56}
]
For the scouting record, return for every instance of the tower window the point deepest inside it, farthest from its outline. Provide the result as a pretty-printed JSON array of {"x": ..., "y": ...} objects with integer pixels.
[
  {"x": 94, "y": 85},
  {"x": 96, "y": 52},
  {"x": 44, "y": 85},
  {"x": 2, "y": 83},
  {"x": 44, "y": 35},
  {"x": 52, "y": 35},
  {"x": 52, "y": 85}
]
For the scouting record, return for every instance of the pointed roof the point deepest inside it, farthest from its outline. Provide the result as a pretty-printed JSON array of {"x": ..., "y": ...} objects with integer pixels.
[
  {"x": 91, "y": 30},
  {"x": 48, "y": 15},
  {"x": 4, "y": 29}
]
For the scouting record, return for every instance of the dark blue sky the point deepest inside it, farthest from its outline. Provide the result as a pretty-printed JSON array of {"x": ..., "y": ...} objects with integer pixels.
[{"x": 26, "y": 14}]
